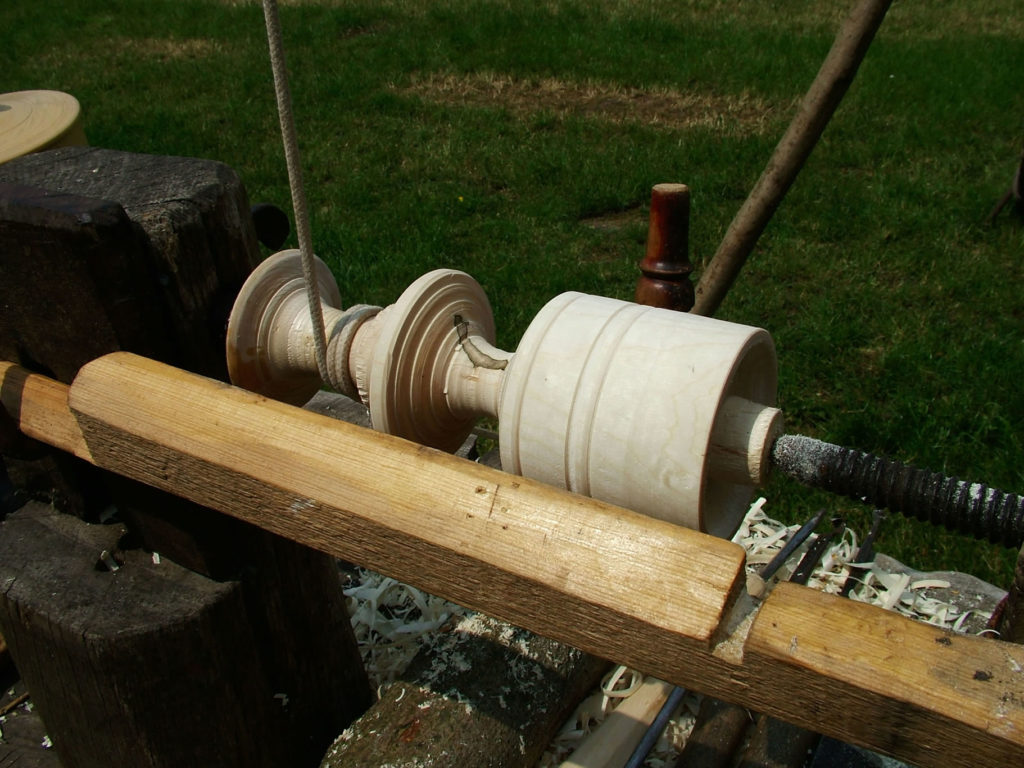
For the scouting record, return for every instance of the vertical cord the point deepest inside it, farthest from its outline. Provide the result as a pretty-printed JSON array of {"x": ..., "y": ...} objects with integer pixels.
[{"x": 291, "y": 156}]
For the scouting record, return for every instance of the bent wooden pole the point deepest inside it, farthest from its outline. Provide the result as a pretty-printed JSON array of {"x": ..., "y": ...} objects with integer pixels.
[
  {"x": 646, "y": 593},
  {"x": 816, "y": 109}
]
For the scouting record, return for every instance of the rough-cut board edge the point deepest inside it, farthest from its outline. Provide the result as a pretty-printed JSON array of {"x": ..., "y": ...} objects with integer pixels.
[
  {"x": 835, "y": 692},
  {"x": 510, "y": 547}
]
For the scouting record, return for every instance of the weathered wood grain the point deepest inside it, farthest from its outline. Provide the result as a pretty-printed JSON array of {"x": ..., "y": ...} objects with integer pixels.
[
  {"x": 889, "y": 681},
  {"x": 99, "y": 661},
  {"x": 103, "y": 250}
]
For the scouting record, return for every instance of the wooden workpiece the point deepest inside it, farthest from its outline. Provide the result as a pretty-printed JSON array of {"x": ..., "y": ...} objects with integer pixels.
[{"x": 609, "y": 581}]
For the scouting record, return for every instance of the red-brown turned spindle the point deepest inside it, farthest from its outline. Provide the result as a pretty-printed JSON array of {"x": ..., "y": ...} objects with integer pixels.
[{"x": 666, "y": 268}]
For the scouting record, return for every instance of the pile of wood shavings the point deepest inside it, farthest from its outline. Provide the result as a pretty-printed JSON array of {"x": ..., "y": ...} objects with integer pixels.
[
  {"x": 762, "y": 537},
  {"x": 393, "y": 620}
]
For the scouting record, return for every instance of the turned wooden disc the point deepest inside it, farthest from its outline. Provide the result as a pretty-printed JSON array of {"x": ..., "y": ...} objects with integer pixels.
[
  {"x": 265, "y": 310},
  {"x": 412, "y": 356},
  {"x": 35, "y": 120}
]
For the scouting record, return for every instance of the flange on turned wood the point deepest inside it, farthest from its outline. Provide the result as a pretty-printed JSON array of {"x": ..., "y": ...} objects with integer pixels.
[{"x": 267, "y": 347}]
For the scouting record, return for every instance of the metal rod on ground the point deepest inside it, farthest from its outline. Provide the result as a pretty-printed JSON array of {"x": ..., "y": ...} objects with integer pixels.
[
  {"x": 657, "y": 727},
  {"x": 971, "y": 508},
  {"x": 816, "y": 109}
]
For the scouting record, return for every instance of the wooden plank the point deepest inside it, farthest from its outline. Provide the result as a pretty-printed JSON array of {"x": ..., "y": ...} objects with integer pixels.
[
  {"x": 611, "y": 745},
  {"x": 891, "y": 681},
  {"x": 606, "y": 580},
  {"x": 504, "y": 545},
  {"x": 39, "y": 405}
]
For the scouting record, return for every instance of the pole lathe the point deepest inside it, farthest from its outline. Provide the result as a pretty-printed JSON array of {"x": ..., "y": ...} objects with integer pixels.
[{"x": 667, "y": 413}]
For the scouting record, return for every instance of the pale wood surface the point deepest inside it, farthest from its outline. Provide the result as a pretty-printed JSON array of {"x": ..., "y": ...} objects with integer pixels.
[
  {"x": 611, "y": 745},
  {"x": 603, "y": 579},
  {"x": 35, "y": 120}
]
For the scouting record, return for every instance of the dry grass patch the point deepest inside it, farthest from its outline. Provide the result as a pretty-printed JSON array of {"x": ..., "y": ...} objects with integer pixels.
[
  {"x": 665, "y": 108},
  {"x": 112, "y": 50},
  {"x": 164, "y": 48},
  {"x": 616, "y": 220}
]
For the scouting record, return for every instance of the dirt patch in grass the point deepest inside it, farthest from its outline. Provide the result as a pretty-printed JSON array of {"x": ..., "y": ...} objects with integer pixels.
[
  {"x": 164, "y": 48},
  {"x": 615, "y": 220},
  {"x": 112, "y": 50},
  {"x": 665, "y": 108}
]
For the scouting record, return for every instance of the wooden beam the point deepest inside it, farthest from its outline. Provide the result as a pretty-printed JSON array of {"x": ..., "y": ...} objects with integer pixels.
[
  {"x": 39, "y": 405},
  {"x": 609, "y": 581},
  {"x": 888, "y": 679},
  {"x": 507, "y": 546}
]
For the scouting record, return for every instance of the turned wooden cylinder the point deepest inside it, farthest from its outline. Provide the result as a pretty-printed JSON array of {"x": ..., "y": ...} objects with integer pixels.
[{"x": 638, "y": 406}]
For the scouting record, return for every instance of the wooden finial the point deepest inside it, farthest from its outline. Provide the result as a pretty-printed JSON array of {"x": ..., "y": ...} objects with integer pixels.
[{"x": 666, "y": 268}]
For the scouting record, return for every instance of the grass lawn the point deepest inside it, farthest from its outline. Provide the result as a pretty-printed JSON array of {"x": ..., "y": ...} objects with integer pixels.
[{"x": 489, "y": 135}]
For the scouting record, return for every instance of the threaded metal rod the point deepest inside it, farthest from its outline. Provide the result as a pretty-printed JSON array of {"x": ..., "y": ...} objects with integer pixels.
[{"x": 971, "y": 508}]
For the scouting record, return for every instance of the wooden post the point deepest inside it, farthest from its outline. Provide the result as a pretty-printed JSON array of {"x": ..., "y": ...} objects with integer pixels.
[
  {"x": 816, "y": 109},
  {"x": 127, "y": 681},
  {"x": 100, "y": 251},
  {"x": 665, "y": 269}
]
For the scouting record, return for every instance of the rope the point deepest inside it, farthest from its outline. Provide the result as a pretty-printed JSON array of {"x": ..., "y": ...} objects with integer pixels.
[{"x": 291, "y": 156}]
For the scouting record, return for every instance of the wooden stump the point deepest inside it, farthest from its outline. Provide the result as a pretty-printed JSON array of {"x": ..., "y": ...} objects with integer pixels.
[
  {"x": 104, "y": 250},
  {"x": 98, "y": 659},
  {"x": 192, "y": 249},
  {"x": 486, "y": 694}
]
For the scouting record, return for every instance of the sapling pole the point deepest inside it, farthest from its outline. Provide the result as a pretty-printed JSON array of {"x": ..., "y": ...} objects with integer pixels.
[{"x": 816, "y": 109}]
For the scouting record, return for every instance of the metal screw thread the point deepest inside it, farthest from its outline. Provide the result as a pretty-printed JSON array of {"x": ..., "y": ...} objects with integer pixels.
[{"x": 971, "y": 508}]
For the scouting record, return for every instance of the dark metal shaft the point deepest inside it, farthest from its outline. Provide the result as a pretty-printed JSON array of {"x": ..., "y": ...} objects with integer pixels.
[
  {"x": 791, "y": 546},
  {"x": 971, "y": 508}
]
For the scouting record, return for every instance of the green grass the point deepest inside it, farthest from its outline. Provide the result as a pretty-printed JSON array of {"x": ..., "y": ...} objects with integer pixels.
[{"x": 897, "y": 314}]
